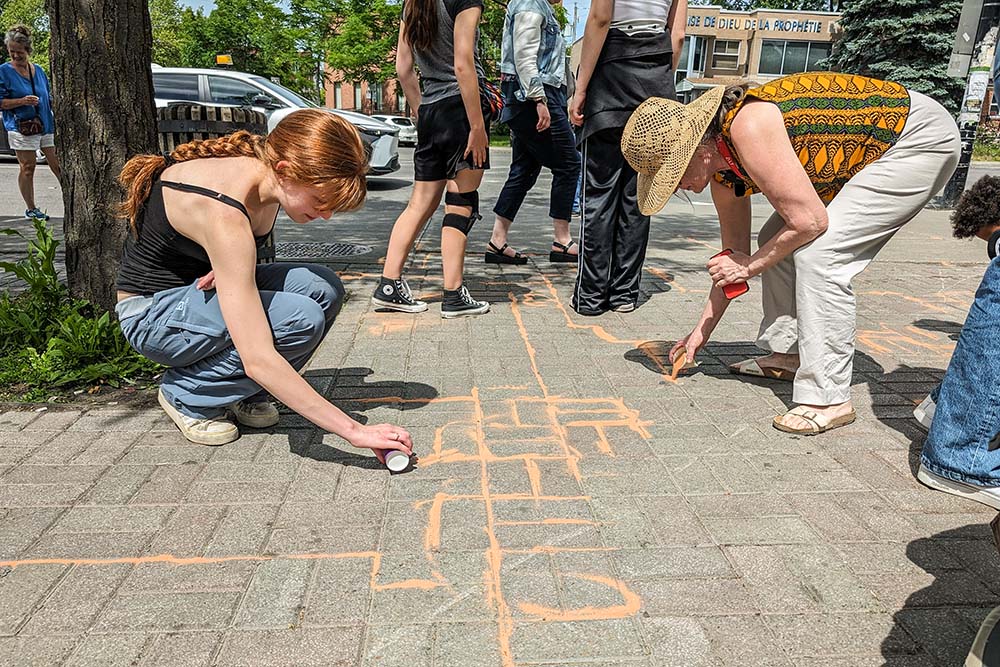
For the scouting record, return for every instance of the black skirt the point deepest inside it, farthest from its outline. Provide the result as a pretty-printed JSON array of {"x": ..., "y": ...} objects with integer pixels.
[{"x": 629, "y": 71}]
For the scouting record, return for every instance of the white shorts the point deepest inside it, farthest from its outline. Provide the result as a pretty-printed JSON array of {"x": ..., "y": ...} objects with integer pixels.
[{"x": 19, "y": 142}]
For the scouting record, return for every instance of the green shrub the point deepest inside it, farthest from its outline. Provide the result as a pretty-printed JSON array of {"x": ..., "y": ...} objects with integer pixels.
[
  {"x": 987, "y": 146},
  {"x": 50, "y": 341}
]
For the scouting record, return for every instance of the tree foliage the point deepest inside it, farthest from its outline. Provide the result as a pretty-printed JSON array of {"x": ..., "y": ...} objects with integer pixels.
[
  {"x": 907, "y": 41},
  {"x": 32, "y": 14}
]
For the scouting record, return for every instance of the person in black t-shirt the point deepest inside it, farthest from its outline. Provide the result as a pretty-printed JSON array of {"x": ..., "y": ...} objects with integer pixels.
[{"x": 441, "y": 37}]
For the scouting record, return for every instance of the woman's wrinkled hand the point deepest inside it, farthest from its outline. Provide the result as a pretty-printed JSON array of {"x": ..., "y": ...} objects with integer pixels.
[
  {"x": 729, "y": 269},
  {"x": 381, "y": 437},
  {"x": 692, "y": 343}
]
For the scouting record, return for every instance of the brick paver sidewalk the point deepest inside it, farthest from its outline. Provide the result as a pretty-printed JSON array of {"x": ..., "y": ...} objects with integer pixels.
[{"x": 571, "y": 506}]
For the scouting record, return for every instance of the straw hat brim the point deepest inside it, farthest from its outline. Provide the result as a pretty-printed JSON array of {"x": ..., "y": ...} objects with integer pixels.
[{"x": 676, "y": 139}]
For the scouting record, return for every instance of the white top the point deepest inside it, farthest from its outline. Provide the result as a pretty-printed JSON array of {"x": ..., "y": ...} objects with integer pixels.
[{"x": 635, "y": 16}]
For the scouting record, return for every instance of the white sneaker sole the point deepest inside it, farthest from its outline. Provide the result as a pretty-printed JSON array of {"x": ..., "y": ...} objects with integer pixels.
[
  {"x": 967, "y": 491},
  {"x": 197, "y": 437},
  {"x": 452, "y": 314},
  {"x": 402, "y": 308}
]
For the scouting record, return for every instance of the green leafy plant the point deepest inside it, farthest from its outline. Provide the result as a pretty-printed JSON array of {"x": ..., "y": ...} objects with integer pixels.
[{"x": 51, "y": 341}]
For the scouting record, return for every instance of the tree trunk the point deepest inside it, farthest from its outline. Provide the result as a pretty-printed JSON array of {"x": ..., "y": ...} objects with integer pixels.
[{"x": 103, "y": 102}]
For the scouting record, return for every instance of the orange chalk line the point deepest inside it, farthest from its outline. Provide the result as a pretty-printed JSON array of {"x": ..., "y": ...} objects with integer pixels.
[
  {"x": 885, "y": 339},
  {"x": 176, "y": 560},
  {"x": 630, "y": 606},
  {"x": 527, "y": 343}
]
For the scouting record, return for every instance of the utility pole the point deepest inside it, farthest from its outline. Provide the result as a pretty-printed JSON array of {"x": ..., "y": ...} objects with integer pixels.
[{"x": 978, "y": 21}]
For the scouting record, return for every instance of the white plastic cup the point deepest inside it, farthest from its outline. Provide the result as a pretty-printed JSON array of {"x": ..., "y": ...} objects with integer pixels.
[{"x": 395, "y": 460}]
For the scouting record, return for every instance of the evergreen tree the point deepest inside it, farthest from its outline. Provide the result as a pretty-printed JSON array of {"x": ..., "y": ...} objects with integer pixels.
[{"x": 907, "y": 41}]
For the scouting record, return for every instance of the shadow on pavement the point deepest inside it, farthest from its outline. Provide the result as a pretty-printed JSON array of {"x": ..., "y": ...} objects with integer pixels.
[
  {"x": 385, "y": 183},
  {"x": 941, "y": 619},
  {"x": 940, "y": 326}
]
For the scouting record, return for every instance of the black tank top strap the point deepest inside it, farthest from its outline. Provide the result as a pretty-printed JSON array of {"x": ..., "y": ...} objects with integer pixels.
[{"x": 205, "y": 192}]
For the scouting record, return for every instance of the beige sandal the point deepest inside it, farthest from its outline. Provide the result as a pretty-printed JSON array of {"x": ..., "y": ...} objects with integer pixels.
[
  {"x": 752, "y": 368},
  {"x": 817, "y": 423}
]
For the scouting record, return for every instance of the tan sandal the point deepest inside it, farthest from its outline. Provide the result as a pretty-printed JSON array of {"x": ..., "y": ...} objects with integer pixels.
[
  {"x": 752, "y": 368},
  {"x": 817, "y": 423}
]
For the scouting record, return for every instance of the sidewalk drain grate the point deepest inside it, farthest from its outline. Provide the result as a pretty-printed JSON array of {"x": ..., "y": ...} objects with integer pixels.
[{"x": 319, "y": 250}]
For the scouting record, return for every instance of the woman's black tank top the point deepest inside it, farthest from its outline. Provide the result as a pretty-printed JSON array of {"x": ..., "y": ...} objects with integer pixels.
[{"x": 161, "y": 258}]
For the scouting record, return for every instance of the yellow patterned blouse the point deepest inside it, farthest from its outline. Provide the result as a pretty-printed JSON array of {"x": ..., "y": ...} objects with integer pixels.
[{"x": 837, "y": 123}]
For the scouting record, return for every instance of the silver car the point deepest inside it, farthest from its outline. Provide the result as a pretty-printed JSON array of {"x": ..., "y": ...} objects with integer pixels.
[
  {"x": 407, "y": 128},
  {"x": 216, "y": 87}
]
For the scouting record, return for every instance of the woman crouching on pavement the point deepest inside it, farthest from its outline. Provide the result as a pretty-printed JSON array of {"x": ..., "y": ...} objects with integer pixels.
[
  {"x": 192, "y": 297},
  {"x": 845, "y": 161}
]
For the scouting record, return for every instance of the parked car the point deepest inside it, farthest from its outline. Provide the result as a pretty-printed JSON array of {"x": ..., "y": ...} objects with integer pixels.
[
  {"x": 216, "y": 87},
  {"x": 407, "y": 128}
]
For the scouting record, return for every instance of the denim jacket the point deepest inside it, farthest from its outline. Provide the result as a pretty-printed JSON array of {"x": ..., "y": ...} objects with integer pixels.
[{"x": 533, "y": 48}]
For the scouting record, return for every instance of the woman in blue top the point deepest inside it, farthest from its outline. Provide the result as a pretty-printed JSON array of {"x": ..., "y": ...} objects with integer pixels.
[{"x": 27, "y": 113}]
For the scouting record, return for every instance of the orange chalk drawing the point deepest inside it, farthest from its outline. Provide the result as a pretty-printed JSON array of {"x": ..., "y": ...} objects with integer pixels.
[{"x": 629, "y": 607}]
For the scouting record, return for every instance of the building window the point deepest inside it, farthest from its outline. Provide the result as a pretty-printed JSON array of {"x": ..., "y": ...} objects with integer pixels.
[
  {"x": 357, "y": 96},
  {"x": 783, "y": 57},
  {"x": 692, "y": 61},
  {"x": 400, "y": 98},
  {"x": 376, "y": 95},
  {"x": 726, "y": 55},
  {"x": 338, "y": 97}
]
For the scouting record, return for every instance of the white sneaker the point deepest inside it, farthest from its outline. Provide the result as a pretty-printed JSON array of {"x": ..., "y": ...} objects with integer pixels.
[
  {"x": 262, "y": 414},
  {"x": 627, "y": 307},
  {"x": 924, "y": 413},
  {"x": 987, "y": 495},
  {"x": 200, "y": 431}
]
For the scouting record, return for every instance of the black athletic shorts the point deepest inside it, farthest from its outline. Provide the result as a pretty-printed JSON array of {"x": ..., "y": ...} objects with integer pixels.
[{"x": 442, "y": 135}]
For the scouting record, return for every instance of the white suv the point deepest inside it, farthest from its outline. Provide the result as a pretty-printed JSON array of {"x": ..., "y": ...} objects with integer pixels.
[{"x": 216, "y": 87}]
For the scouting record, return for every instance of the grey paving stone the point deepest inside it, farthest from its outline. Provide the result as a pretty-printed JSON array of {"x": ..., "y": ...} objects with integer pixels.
[
  {"x": 190, "y": 577},
  {"x": 154, "y": 612},
  {"x": 15, "y": 421},
  {"x": 110, "y": 651},
  {"x": 116, "y": 420},
  {"x": 760, "y": 530},
  {"x": 340, "y": 592},
  {"x": 90, "y": 545},
  {"x": 77, "y": 600},
  {"x": 275, "y": 598},
  {"x": 243, "y": 530},
  {"x": 40, "y": 495},
  {"x": 672, "y": 562},
  {"x": 325, "y": 647},
  {"x": 183, "y": 649},
  {"x": 20, "y": 527},
  {"x": 838, "y": 635},
  {"x": 694, "y": 597},
  {"x": 158, "y": 455},
  {"x": 466, "y": 645},
  {"x": 398, "y": 645},
  {"x": 678, "y": 641},
  {"x": 188, "y": 530},
  {"x": 122, "y": 519},
  {"x": 30, "y": 652},
  {"x": 167, "y": 484},
  {"x": 55, "y": 420},
  {"x": 574, "y": 640},
  {"x": 21, "y": 590},
  {"x": 117, "y": 486}
]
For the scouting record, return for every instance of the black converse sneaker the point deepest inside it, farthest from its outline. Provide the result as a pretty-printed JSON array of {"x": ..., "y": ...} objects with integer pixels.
[
  {"x": 396, "y": 295},
  {"x": 458, "y": 303}
]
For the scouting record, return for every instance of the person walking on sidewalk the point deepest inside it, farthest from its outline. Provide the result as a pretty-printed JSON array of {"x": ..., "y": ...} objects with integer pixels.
[
  {"x": 27, "y": 115},
  {"x": 533, "y": 67},
  {"x": 845, "y": 161},
  {"x": 191, "y": 296},
  {"x": 441, "y": 36},
  {"x": 961, "y": 455},
  {"x": 630, "y": 50}
]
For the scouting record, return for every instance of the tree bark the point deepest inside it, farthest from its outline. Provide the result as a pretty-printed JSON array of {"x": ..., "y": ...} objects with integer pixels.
[{"x": 100, "y": 54}]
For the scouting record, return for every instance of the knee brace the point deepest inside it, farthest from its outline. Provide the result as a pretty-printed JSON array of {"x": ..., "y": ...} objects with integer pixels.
[{"x": 462, "y": 223}]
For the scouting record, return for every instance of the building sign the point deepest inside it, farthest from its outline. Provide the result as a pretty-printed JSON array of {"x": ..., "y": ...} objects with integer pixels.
[{"x": 743, "y": 23}]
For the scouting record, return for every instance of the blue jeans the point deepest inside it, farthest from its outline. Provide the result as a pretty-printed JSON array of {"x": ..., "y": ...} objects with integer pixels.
[
  {"x": 963, "y": 439},
  {"x": 555, "y": 149},
  {"x": 183, "y": 328}
]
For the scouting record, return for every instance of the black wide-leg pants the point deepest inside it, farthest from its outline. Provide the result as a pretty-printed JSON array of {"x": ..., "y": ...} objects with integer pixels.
[{"x": 613, "y": 233}]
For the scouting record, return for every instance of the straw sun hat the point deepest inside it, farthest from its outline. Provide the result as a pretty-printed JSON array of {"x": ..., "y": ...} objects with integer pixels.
[{"x": 660, "y": 139}]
